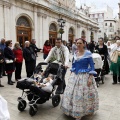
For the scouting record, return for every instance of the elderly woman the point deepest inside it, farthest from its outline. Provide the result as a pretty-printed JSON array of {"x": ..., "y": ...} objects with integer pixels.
[
  {"x": 30, "y": 59},
  {"x": 115, "y": 64},
  {"x": 9, "y": 61},
  {"x": 17, "y": 50},
  {"x": 81, "y": 96}
]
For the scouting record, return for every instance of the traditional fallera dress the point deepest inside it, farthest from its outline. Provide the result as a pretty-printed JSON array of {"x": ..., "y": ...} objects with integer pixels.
[{"x": 79, "y": 99}]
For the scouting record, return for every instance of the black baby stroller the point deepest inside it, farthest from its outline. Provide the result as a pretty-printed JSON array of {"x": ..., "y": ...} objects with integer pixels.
[
  {"x": 41, "y": 96},
  {"x": 24, "y": 84},
  {"x": 35, "y": 94},
  {"x": 99, "y": 68}
]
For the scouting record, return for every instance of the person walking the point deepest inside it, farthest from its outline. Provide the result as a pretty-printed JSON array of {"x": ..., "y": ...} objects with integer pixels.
[
  {"x": 91, "y": 46},
  {"x": 9, "y": 61},
  {"x": 2, "y": 46},
  {"x": 30, "y": 59},
  {"x": 61, "y": 54},
  {"x": 17, "y": 50},
  {"x": 115, "y": 63},
  {"x": 103, "y": 51},
  {"x": 1, "y": 65},
  {"x": 81, "y": 96},
  {"x": 46, "y": 49}
]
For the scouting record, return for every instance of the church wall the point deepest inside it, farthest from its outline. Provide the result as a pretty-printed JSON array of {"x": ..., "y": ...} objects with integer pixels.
[{"x": 40, "y": 20}]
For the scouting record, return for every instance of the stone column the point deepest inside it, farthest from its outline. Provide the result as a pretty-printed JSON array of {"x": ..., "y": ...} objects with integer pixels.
[
  {"x": 35, "y": 33},
  {"x": 1, "y": 21},
  {"x": 13, "y": 35},
  {"x": 6, "y": 12},
  {"x": 88, "y": 35}
]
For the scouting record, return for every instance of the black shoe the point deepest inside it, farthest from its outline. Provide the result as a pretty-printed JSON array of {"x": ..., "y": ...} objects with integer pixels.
[
  {"x": 1, "y": 85},
  {"x": 10, "y": 83},
  {"x": 114, "y": 83}
]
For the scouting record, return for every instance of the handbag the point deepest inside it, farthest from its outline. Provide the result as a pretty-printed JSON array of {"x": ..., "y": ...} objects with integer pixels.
[
  {"x": 114, "y": 57},
  {"x": 7, "y": 61}
]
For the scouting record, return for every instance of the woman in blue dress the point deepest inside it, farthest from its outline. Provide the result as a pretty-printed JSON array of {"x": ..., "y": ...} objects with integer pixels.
[{"x": 81, "y": 96}]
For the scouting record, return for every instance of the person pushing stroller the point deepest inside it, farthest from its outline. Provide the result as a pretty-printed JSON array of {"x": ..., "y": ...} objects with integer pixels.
[{"x": 61, "y": 54}]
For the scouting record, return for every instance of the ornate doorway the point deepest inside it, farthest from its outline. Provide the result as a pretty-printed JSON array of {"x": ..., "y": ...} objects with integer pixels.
[
  {"x": 52, "y": 34},
  {"x": 71, "y": 36},
  {"x": 23, "y": 30}
]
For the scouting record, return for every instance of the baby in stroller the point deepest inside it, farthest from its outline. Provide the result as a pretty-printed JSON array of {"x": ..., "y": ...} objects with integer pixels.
[
  {"x": 40, "y": 88},
  {"x": 98, "y": 64},
  {"x": 46, "y": 85}
]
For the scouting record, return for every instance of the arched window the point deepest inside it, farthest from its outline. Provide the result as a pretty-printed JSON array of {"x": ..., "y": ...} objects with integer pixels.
[
  {"x": 53, "y": 27},
  {"x": 23, "y": 21},
  {"x": 71, "y": 31},
  {"x": 105, "y": 24},
  {"x": 83, "y": 34},
  {"x": 110, "y": 24}
]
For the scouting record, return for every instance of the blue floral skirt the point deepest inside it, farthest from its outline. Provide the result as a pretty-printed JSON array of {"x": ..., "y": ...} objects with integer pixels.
[{"x": 79, "y": 99}]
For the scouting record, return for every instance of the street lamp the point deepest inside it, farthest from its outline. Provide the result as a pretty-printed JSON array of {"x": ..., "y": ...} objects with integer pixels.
[{"x": 61, "y": 23}]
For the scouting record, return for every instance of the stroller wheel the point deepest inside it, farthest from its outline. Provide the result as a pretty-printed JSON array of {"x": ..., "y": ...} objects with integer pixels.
[
  {"x": 22, "y": 105},
  {"x": 56, "y": 100},
  {"x": 33, "y": 110}
]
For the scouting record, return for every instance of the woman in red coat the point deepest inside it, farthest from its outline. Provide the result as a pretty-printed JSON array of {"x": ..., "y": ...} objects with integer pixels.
[
  {"x": 46, "y": 49},
  {"x": 19, "y": 59}
]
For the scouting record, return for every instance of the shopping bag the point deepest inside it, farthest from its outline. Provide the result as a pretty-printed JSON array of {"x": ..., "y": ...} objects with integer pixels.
[
  {"x": 114, "y": 57},
  {"x": 4, "y": 113}
]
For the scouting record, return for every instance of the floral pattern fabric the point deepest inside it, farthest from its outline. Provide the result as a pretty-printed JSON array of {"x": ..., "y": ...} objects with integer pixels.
[{"x": 79, "y": 99}]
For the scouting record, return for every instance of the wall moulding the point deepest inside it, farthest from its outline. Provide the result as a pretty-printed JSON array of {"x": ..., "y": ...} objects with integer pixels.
[{"x": 41, "y": 14}]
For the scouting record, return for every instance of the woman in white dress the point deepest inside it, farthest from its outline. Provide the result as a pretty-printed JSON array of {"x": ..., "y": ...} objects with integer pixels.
[{"x": 81, "y": 96}]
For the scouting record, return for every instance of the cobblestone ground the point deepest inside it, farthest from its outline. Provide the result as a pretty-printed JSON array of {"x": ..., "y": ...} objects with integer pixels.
[{"x": 109, "y": 102}]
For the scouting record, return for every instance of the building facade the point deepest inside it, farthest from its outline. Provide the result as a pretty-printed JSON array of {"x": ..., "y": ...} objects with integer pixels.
[
  {"x": 22, "y": 20},
  {"x": 100, "y": 15},
  {"x": 111, "y": 28}
]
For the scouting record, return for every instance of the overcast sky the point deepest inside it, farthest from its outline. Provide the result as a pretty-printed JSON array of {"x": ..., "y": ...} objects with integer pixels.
[{"x": 100, "y": 3}]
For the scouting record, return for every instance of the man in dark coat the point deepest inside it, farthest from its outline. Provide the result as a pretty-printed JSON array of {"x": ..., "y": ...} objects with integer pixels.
[
  {"x": 91, "y": 46},
  {"x": 34, "y": 47},
  {"x": 30, "y": 59}
]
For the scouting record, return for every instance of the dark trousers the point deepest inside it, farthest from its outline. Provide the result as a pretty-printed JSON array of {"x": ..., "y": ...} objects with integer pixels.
[
  {"x": 9, "y": 75},
  {"x": 62, "y": 84},
  {"x": 116, "y": 78},
  {"x": 3, "y": 70},
  {"x": 18, "y": 67},
  {"x": 45, "y": 56},
  {"x": 29, "y": 74}
]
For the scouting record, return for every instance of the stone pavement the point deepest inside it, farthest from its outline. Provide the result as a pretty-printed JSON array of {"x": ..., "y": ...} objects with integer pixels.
[{"x": 109, "y": 96}]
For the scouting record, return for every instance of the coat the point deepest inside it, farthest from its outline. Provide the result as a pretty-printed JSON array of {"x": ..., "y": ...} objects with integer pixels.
[
  {"x": 18, "y": 55},
  {"x": 35, "y": 48},
  {"x": 29, "y": 61},
  {"x": 8, "y": 53},
  {"x": 46, "y": 49}
]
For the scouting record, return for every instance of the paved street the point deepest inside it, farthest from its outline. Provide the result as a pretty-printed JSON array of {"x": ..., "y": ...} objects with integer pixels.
[{"x": 109, "y": 102}]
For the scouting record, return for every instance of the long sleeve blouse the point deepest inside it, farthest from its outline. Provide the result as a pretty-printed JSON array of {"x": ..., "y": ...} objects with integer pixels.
[{"x": 83, "y": 64}]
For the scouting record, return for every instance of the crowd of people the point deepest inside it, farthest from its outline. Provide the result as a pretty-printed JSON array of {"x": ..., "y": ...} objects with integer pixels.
[
  {"x": 12, "y": 59},
  {"x": 80, "y": 95}
]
